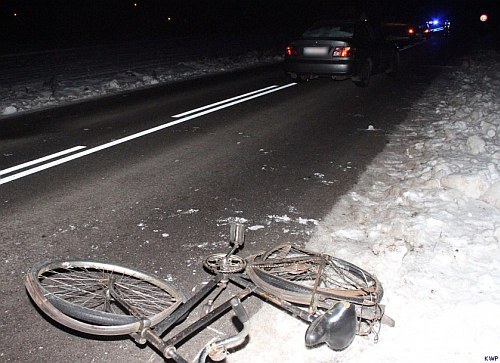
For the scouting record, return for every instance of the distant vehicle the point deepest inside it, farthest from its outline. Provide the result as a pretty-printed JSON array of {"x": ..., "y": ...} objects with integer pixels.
[
  {"x": 439, "y": 25},
  {"x": 425, "y": 31},
  {"x": 405, "y": 33},
  {"x": 417, "y": 32},
  {"x": 397, "y": 32},
  {"x": 341, "y": 49}
]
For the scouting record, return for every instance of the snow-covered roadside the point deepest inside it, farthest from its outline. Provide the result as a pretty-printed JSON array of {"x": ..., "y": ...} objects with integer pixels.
[
  {"x": 65, "y": 88},
  {"x": 425, "y": 218}
]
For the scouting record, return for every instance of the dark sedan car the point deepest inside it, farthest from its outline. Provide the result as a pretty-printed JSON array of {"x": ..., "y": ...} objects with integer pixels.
[{"x": 341, "y": 49}]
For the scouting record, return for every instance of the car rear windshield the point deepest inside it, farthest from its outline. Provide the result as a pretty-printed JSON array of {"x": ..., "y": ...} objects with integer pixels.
[{"x": 330, "y": 31}]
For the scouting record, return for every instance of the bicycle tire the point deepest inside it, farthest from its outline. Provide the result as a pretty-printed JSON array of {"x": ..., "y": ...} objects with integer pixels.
[
  {"x": 290, "y": 273},
  {"x": 76, "y": 294}
]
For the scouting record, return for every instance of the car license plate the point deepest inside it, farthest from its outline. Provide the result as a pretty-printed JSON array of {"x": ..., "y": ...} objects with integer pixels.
[{"x": 315, "y": 50}]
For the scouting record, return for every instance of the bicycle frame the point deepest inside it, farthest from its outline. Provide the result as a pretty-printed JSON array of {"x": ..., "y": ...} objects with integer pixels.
[
  {"x": 217, "y": 284},
  {"x": 167, "y": 346}
]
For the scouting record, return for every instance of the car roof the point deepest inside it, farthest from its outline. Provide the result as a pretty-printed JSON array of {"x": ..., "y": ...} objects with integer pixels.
[{"x": 334, "y": 21}]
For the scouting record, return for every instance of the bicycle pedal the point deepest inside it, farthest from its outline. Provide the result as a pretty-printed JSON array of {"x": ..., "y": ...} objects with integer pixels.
[{"x": 237, "y": 233}]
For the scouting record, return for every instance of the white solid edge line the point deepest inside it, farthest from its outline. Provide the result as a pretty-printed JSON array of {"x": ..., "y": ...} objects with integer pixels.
[
  {"x": 133, "y": 136},
  {"x": 40, "y": 160},
  {"x": 223, "y": 101}
]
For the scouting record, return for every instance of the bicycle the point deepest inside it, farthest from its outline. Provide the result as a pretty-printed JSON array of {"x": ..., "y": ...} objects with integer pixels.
[{"x": 339, "y": 300}]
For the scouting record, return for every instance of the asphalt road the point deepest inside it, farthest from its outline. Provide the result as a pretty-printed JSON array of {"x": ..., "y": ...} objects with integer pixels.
[{"x": 160, "y": 199}]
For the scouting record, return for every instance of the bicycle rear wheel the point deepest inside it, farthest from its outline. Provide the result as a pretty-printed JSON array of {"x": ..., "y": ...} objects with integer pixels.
[
  {"x": 77, "y": 295},
  {"x": 297, "y": 275}
]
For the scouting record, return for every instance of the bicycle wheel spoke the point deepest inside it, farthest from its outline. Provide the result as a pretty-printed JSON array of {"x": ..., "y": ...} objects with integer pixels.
[
  {"x": 293, "y": 272},
  {"x": 78, "y": 287},
  {"x": 88, "y": 287},
  {"x": 93, "y": 297},
  {"x": 144, "y": 298}
]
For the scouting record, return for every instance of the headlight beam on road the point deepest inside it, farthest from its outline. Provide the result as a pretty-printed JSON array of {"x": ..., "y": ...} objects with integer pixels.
[{"x": 205, "y": 110}]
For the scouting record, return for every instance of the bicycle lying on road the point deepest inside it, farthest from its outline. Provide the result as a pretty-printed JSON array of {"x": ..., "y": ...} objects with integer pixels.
[{"x": 337, "y": 298}]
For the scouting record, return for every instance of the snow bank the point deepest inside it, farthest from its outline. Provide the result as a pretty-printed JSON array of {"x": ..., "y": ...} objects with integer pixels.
[
  {"x": 66, "y": 88},
  {"x": 425, "y": 218}
]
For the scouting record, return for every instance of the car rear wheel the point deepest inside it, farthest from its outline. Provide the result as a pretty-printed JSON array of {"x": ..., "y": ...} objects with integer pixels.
[
  {"x": 395, "y": 65},
  {"x": 362, "y": 79}
]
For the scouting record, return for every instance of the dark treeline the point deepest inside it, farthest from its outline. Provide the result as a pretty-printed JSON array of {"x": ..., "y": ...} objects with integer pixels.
[{"x": 54, "y": 23}]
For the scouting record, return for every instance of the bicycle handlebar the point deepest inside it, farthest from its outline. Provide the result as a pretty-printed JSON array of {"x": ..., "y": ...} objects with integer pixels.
[{"x": 217, "y": 350}]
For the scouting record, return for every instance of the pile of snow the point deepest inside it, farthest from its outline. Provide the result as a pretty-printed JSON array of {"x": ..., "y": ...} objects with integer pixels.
[
  {"x": 425, "y": 218},
  {"x": 65, "y": 88}
]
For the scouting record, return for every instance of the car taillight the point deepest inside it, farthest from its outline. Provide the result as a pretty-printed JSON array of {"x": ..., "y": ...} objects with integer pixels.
[
  {"x": 342, "y": 52},
  {"x": 290, "y": 50}
]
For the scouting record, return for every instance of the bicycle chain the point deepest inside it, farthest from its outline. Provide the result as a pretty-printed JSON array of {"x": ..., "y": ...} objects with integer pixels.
[{"x": 280, "y": 263}]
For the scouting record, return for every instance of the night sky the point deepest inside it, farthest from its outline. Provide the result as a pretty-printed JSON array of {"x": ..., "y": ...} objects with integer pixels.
[{"x": 73, "y": 22}]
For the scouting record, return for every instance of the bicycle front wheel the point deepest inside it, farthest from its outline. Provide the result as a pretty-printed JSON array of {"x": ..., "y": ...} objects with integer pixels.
[
  {"x": 78, "y": 294},
  {"x": 297, "y": 275}
]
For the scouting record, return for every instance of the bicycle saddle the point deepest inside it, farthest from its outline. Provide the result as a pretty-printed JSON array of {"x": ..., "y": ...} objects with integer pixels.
[{"x": 337, "y": 327}]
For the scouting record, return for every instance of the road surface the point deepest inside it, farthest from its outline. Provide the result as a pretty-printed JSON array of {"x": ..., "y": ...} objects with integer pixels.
[{"x": 150, "y": 179}]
